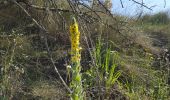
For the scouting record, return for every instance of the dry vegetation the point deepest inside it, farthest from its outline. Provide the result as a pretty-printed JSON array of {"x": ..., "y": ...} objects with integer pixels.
[{"x": 122, "y": 58}]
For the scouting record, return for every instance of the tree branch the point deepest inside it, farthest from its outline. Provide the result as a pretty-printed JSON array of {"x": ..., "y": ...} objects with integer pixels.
[
  {"x": 142, "y": 4},
  {"x": 121, "y": 3}
]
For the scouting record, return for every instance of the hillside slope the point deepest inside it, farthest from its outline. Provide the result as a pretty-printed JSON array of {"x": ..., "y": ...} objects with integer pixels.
[{"x": 121, "y": 58}]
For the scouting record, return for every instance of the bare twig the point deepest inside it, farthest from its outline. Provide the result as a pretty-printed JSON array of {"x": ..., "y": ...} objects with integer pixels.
[
  {"x": 95, "y": 12},
  {"x": 107, "y": 10},
  {"x": 164, "y": 3},
  {"x": 52, "y": 9},
  {"x": 121, "y": 3},
  {"x": 72, "y": 6},
  {"x": 64, "y": 10},
  {"x": 142, "y": 4}
]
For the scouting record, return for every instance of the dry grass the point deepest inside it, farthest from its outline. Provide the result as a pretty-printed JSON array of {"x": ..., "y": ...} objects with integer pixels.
[
  {"x": 146, "y": 42},
  {"x": 49, "y": 90}
]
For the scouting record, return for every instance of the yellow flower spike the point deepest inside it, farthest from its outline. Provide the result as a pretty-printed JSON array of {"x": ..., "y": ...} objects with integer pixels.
[{"x": 76, "y": 83}]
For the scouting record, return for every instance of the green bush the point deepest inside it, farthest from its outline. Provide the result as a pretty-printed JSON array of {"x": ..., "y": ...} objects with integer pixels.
[{"x": 159, "y": 18}]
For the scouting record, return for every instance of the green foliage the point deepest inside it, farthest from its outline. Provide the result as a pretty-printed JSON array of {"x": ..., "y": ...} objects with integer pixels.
[
  {"x": 159, "y": 18},
  {"x": 104, "y": 74},
  {"x": 143, "y": 81},
  {"x": 155, "y": 88}
]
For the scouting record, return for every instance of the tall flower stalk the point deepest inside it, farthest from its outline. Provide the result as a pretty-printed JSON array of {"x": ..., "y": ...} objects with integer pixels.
[{"x": 76, "y": 84}]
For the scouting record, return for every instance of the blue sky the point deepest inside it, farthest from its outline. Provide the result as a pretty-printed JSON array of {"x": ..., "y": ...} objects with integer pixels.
[{"x": 131, "y": 9}]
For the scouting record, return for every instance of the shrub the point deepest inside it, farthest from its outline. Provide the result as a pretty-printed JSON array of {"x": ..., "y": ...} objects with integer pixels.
[{"x": 159, "y": 18}]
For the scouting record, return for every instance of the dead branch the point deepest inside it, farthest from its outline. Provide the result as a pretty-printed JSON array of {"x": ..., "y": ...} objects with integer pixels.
[
  {"x": 121, "y": 3},
  {"x": 142, "y": 4}
]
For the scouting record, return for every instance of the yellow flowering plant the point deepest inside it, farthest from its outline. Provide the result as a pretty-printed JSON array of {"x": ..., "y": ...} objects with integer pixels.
[{"x": 76, "y": 83}]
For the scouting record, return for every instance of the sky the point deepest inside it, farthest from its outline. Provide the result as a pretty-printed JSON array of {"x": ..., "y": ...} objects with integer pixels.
[{"x": 131, "y": 8}]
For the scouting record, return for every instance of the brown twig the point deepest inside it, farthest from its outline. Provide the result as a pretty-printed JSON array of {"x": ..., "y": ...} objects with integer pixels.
[{"x": 142, "y": 4}]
